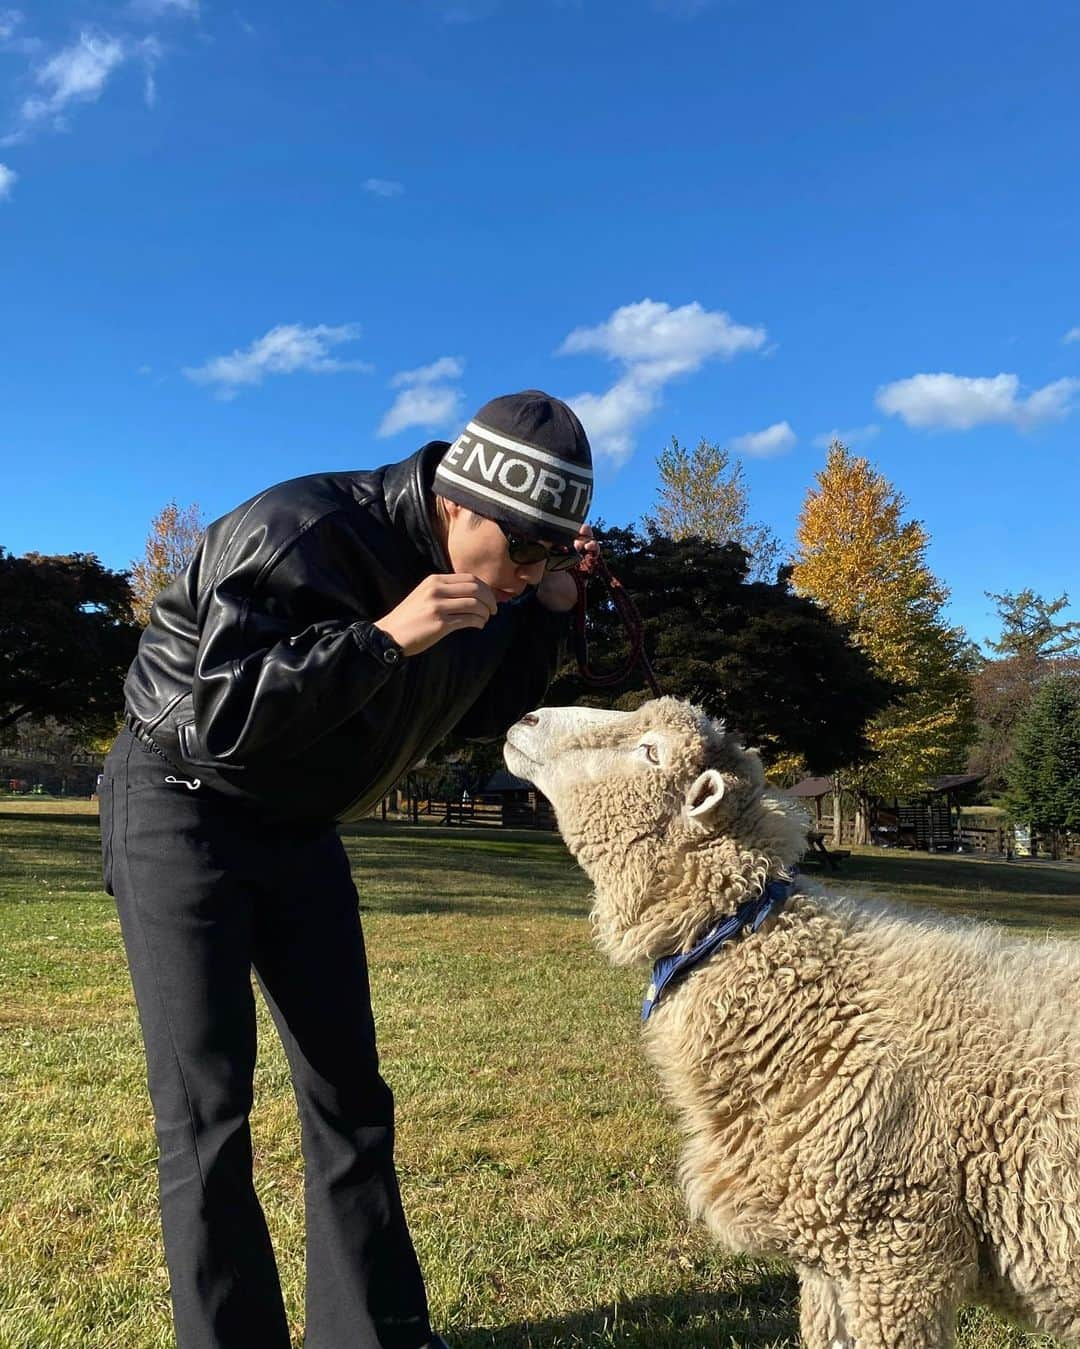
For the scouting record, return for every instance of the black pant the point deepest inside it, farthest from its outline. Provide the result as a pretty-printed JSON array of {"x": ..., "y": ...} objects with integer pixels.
[{"x": 206, "y": 888}]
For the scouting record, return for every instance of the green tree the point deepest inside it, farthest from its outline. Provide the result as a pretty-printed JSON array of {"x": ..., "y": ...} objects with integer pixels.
[
  {"x": 1028, "y": 628},
  {"x": 703, "y": 493},
  {"x": 1044, "y": 776},
  {"x": 1032, "y": 647},
  {"x": 66, "y": 640},
  {"x": 771, "y": 663}
]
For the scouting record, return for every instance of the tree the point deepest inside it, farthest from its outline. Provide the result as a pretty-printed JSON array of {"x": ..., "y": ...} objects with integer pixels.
[
  {"x": 866, "y": 564},
  {"x": 1044, "y": 776},
  {"x": 1032, "y": 648},
  {"x": 703, "y": 493},
  {"x": 174, "y": 535},
  {"x": 66, "y": 640},
  {"x": 1028, "y": 629},
  {"x": 774, "y": 665},
  {"x": 1002, "y": 691}
]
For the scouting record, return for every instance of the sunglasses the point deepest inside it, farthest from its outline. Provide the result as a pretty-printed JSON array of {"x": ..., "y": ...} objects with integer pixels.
[{"x": 525, "y": 552}]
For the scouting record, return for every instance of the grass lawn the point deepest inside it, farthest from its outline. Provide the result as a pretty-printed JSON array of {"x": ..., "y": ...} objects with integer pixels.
[{"x": 536, "y": 1160}]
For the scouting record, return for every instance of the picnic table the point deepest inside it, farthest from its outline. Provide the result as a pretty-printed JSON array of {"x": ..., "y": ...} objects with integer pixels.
[{"x": 819, "y": 853}]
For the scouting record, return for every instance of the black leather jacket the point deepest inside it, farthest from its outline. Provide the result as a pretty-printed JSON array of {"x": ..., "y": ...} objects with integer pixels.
[{"x": 262, "y": 673}]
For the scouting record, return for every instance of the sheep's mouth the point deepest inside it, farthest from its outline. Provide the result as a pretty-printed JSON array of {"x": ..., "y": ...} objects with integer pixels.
[{"x": 521, "y": 753}]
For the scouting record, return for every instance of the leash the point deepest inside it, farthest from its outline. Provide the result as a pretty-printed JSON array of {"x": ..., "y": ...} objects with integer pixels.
[{"x": 632, "y": 621}]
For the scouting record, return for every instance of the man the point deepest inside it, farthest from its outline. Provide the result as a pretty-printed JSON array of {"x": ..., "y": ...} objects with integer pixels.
[{"x": 326, "y": 635}]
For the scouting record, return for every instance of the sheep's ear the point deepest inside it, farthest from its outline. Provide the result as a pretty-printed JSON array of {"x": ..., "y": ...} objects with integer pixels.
[{"x": 705, "y": 794}]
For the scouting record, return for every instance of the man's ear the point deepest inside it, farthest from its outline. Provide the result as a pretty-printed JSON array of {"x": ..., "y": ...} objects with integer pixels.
[{"x": 705, "y": 794}]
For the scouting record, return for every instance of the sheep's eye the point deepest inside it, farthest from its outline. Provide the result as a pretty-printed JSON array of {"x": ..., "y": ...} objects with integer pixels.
[{"x": 651, "y": 752}]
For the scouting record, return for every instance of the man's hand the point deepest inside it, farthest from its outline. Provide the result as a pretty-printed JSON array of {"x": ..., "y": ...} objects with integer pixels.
[
  {"x": 558, "y": 589},
  {"x": 439, "y": 604}
]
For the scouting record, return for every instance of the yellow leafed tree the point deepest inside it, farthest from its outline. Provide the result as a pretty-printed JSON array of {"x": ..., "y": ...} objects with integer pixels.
[
  {"x": 859, "y": 557},
  {"x": 174, "y": 534}
]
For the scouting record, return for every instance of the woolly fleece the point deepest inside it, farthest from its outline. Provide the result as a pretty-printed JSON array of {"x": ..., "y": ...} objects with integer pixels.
[{"x": 884, "y": 1096}]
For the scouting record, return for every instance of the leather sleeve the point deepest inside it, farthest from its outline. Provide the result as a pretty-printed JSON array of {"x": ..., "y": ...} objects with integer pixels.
[
  {"x": 263, "y": 684},
  {"x": 536, "y": 647}
]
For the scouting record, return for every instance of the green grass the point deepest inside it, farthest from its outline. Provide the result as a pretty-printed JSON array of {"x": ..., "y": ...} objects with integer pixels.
[{"x": 536, "y": 1160}]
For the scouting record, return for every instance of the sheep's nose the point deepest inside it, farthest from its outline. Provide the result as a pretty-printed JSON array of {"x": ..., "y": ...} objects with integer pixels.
[{"x": 529, "y": 719}]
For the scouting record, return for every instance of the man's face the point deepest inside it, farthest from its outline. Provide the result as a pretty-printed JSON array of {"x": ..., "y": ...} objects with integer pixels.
[{"x": 478, "y": 546}]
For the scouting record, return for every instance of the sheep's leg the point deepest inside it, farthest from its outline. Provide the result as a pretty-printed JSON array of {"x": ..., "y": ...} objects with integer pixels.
[
  {"x": 821, "y": 1318},
  {"x": 898, "y": 1309}
]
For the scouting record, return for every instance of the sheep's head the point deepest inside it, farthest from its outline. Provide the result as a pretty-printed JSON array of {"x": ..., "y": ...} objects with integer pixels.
[{"x": 667, "y": 812}]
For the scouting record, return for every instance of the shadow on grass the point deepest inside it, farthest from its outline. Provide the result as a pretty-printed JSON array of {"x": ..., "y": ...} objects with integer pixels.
[
  {"x": 757, "y": 1316},
  {"x": 77, "y": 819},
  {"x": 916, "y": 871},
  {"x": 1032, "y": 897},
  {"x": 433, "y": 905}
]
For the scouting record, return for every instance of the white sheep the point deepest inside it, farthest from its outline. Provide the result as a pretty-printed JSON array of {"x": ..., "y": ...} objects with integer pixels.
[{"x": 884, "y": 1096}]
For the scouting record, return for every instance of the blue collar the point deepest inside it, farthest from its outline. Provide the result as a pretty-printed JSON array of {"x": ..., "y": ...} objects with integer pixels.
[{"x": 750, "y": 914}]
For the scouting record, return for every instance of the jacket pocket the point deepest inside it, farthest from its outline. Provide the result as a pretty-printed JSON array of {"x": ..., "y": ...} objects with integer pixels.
[{"x": 187, "y": 736}]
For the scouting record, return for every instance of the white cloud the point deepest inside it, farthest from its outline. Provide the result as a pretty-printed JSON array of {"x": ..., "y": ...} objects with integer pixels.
[
  {"x": 8, "y": 179},
  {"x": 854, "y": 435},
  {"x": 164, "y": 9},
  {"x": 423, "y": 405},
  {"x": 150, "y": 51},
  {"x": 610, "y": 418},
  {"x": 77, "y": 73},
  {"x": 424, "y": 400},
  {"x": 1073, "y": 335},
  {"x": 958, "y": 402},
  {"x": 660, "y": 341},
  {"x": 11, "y": 20},
  {"x": 285, "y": 350},
  {"x": 775, "y": 439},
  {"x": 446, "y": 367},
  {"x": 383, "y": 187},
  {"x": 654, "y": 343}
]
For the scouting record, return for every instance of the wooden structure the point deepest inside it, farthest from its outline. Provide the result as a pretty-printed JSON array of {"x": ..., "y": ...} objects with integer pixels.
[
  {"x": 503, "y": 802},
  {"x": 818, "y": 852},
  {"x": 25, "y": 770},
  {"x": 930, "y": 821},
  {"x": 520, "y": 805},
  {"x": 815, "y": 790}
]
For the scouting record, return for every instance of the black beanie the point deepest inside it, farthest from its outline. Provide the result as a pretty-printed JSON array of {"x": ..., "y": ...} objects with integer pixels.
[{"x": 525, "y": 461}]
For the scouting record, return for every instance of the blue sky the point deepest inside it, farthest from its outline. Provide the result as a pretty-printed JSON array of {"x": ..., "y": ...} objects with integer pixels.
[{"x": 241, "y": 243}]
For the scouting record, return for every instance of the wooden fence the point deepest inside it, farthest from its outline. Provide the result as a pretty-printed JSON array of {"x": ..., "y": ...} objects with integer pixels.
[
  {"x": 997, "y": 842},
  {"x": 993, "y": 841},
  {"x": 847, "y": 831},
  {"x": 489, "y": 813}
]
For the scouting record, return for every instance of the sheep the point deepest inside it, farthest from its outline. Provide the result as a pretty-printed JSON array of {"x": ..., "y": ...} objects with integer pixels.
[{"x": 883, "y": 1096}]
